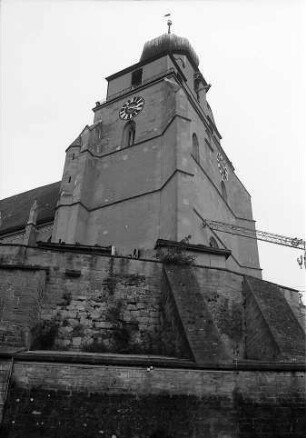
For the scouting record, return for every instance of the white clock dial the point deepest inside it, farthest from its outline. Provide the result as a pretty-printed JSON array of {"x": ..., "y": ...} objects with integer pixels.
[{"x": 131, "y": 108}]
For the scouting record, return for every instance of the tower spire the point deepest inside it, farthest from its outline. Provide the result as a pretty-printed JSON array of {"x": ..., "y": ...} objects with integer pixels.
[{"x": 169, "y": 22}]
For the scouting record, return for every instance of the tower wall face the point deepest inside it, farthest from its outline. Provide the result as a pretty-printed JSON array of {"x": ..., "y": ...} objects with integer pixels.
[
  {"x": 149, "y": 71},
  {"x": 129, "y": 195}
]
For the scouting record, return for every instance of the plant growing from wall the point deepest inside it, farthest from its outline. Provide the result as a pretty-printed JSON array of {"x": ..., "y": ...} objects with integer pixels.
[
  {"x": 44, "y": 334},
  {"x": 78, "y": 330},
  {"x": 114, "y": 312},
  {"x": 175, "y": 255},
  {"x": 95, "y": 347},
  {"x": 110, "y": 283},
  {"x": 66, "y": 297},
  {"x": 122, "y": 339}
]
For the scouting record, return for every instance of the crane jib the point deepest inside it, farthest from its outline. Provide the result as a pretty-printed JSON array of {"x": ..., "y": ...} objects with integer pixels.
[{"x": 278, "y": 239}]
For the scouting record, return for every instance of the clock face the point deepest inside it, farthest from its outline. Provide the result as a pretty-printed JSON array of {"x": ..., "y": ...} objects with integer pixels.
[
  {"x": 131, "y": 108},
  {"x": 222, "y": 167}
]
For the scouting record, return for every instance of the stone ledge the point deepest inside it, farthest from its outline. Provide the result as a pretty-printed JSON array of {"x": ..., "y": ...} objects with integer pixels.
[
  {"x": 162, "y": 243},
  {"x": 146, "y": 360},
  {"x": 23, "y": 267},
  {"x": 75, "y": 247}
]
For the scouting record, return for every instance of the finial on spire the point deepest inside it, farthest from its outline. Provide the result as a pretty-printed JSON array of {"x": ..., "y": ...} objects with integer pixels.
[{"x": 169, "y": 22}]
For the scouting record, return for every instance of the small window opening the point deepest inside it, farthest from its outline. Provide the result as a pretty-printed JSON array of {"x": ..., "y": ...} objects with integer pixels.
[
  {"x": 196, "y": 85},
  {"x": 213, "y": 243},
  {"x": 137, "y": 78},
  {"x": 73, "y": 156},
  {"x": 195, "y": 148},
  {"x": 129, "y": 134},
  {"x": 223, "y": 191},
  {"x": 69, "y": 179}
]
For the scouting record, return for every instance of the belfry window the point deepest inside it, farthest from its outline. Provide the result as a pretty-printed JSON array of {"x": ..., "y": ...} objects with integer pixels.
[
  {"x": 196, "y": 85},
  {"x": 129, "y": 134},
  {"x": 223, "y": 191},
  {"x": 195, "y": 148},
  {"x": 137, "y": 78}
]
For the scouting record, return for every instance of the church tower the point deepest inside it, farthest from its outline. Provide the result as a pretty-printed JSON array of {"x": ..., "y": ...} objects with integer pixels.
[
  {"x": 127, "y": 343},
  {"x": 151, "y": 166}
]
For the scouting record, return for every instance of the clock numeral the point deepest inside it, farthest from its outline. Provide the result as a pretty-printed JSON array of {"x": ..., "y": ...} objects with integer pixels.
[{"x": 131, "y": 108}]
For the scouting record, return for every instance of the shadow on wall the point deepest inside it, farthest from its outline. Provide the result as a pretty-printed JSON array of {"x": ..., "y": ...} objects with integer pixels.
[{"x": 159, "y": 433}]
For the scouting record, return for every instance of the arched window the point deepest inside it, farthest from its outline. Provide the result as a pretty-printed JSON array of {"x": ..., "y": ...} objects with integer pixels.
[
  {"x": 128, "y": 137},
  {"x": 195, "y": 148},
  {"x": 213, "y": 243},
  {"x": 223, "y": 191},
  {"x": 137, "y": 78}
]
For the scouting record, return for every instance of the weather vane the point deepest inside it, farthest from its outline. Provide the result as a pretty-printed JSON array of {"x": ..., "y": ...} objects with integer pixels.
[{"x": 169, "y": 22}]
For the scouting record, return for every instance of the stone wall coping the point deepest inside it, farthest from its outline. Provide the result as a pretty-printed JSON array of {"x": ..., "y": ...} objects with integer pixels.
[
  {"x": 95, "y": 251},
  {"x": 160, "y": 243},
  {"x": 148, "y": 361},
  {"x": 23, "y": 267},
  {"x": 75, "y": 247}
]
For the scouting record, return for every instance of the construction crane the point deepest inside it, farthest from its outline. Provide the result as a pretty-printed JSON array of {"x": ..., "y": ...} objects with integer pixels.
[{"x": 292, "y": 242}]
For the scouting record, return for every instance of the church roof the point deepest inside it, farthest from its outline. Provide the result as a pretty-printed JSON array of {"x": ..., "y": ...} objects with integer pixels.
[
  {"x": 77, "y": 141},
  {"x": 15, "y": 209},
  {"x": 168, "y": 43}
]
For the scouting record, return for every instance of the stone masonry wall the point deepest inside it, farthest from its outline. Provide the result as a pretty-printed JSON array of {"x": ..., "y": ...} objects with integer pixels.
[
  {"x": 5, "y": 368},
  {"x": 112, "y": 306},
  {"x": 56, "y": 299},
  {"x": 295, "y": 302},
  {"x": 202, "y": 334},
  {"x": 49, "y": 399},
  {"x": 259, "y": 340},
  {"x": 174, "y": 337},
  {"x": 272, "y": 330},
  {"x": 21, "y": 293},
  {"x": 90, "y": 302},
  {"x": 222, "y": 292}
]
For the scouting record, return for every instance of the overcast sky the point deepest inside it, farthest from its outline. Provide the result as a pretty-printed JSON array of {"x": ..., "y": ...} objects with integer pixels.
[{"x": 55, "y": 55}]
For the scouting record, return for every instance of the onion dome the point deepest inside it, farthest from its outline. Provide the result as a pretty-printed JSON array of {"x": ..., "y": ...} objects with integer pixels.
[{"x": 168, "y": 43}]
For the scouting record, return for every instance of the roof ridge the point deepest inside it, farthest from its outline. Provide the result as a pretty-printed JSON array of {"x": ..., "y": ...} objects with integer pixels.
[{"x": 31, "y": 190}]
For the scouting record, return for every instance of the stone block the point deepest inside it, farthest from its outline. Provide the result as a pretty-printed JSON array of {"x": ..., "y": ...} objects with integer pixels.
[
  {"x": 77, "y": 341},
  {"x": 103, "y": 325},
  {"x": 95, "y": 315},
  {"x": 63, "y": 331}
]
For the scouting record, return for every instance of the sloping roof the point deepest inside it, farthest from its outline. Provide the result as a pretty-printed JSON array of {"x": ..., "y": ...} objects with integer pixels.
[
  {"x": 77, "y": 142},
  {"x": 15, "y": 209}
]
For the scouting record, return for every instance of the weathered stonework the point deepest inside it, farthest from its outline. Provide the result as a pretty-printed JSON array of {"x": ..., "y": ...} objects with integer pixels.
[
  {"x": 53, "y": 298},
  {"x": 122, "y": 313},
  {"x": 127, "y": 401}
]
